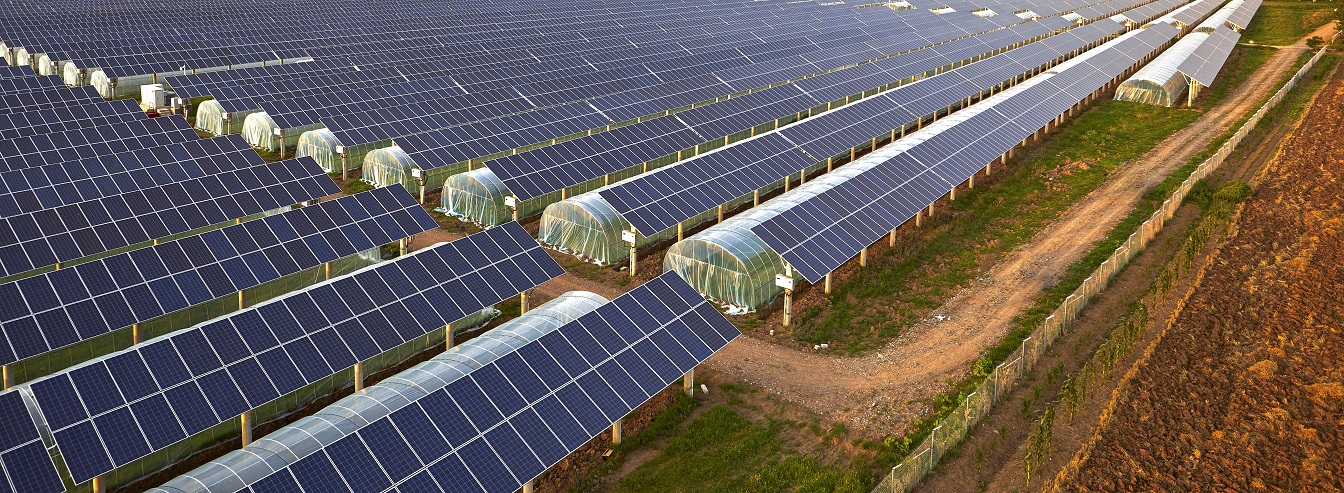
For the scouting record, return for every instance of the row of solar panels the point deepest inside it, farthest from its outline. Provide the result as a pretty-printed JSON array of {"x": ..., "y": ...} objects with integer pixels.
[
  {"x": 538, "y": 172},
  {"x": 660, "y": 200},
  {"x": 821, "y": 233},
  {"x": 202, "y": 45},
  {"x": 1207, "y": 60},
  {"x": 642, "y": 63},
  {"x": 117, "y": 409}
]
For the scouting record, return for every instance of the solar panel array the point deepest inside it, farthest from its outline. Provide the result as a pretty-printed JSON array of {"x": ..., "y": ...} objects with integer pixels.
[
  {"x": 62, "y": 118},
  {"x": 100, "y": 223},
  {"x": 1241, "y": 17},
  {"x": 66, "y": 306},
  {"x": 1207, "y": 60},
  {"x": 25, "y": 464},
  {"x": 659, "y": 200},
  {"x": 98, "y": 143},
  {"x": 502, "y": 424},
  {"x": 115, "y": 410},
  {"x": 1196, "y": 11},
  {"x": 818, "y": 235},
  {"x": 535, "y": 173}
]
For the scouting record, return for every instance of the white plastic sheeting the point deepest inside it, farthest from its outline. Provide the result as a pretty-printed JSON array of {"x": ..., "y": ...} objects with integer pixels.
[{"x": 1160, "y": 83}]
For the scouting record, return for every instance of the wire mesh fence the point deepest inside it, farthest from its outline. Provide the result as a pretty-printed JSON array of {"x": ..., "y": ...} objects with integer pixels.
[{"x": 922, "y": 459}]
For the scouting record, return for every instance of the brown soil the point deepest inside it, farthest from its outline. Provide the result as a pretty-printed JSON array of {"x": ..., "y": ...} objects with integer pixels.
[
  {"x": 991, "y": 457},
  {"x": 879, "y": 393},
  {"x": 1255, "y": 404}
]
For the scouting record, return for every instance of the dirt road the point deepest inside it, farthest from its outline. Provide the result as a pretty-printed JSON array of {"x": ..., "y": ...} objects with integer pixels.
[{"x": 878, "y": 394}]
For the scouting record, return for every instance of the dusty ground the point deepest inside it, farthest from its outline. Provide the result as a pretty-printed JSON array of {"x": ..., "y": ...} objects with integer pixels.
[
  {"x": 1255, "y": 405},
  {"x": 878, "y": 393}
]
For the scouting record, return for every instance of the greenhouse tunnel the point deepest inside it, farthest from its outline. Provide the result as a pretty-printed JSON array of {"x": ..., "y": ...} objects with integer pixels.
[
  {"x": 240, "y": 468},
  {"x": 587, "y": 227},
  {"x": 477, "y": 196},
  {"x": 259, "y": 130},
  {"x": 323, "y": 145},
  {"x": 729, "y": 264},
  {"x": 391, "y": 165},
  {"x": 1159, "y": 82},
  {"x": 210, "y": 118}
]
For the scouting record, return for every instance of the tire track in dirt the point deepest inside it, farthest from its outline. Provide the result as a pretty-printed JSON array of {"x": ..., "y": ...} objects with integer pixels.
[{"x": 879, "y": 393}]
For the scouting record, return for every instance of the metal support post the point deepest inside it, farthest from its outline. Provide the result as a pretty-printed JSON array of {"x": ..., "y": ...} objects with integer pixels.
[
  {"x": 863, "y": 257},
  {"x": 632, "y": 238},
  {"x": 891, "y": 242},
  {"x": 359, "y": 376},
  {"x": 447, "y": 337},
  {"x": 245, "y": 424},
  {"x": 827, "y": 289},
  {"x": 522, "y": 299},
  {"x": 688, "y": 383},
  {"x": 616, "y": 433}
]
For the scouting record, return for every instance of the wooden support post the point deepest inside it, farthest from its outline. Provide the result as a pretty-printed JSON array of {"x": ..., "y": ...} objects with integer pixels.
[
  {"x": 245, "y": 424},
  {"x": 688, "y": 383},
  {"x": 359, "y": 376}
]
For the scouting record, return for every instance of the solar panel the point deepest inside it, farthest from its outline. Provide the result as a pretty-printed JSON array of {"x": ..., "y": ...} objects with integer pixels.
[
  {"x": 24, "y": 459},
  {"x": 500, "y": 425},
  {"x": 101, "y": 223},
  {"x": 1207, "y": 60},
  {"x": 652, "y": 202},
  {"x": 819, "y": 234},
  {"x": 186, "y": 382},
  {"x": 60, "y": 119},
  {"x": 548, "y": 169},
  {"x": 1241, "y": 17},
  {"x": 54, "y": 97},
  {"x": 101, "y": 143},
  {"x": 66, "y": 306},
  {"x": 29, "y": 84}
]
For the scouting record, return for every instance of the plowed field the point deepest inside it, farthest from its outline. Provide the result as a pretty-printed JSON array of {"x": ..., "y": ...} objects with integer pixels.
[{"x": 1246, "y": 390}]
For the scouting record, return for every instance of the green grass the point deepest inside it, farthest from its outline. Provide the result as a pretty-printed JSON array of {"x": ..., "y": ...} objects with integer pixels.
[
  {"x": 894, "y": 448},
  {"x": 723, "y": 452},
  {"x": 1241, "y": 63},
  {"x": 1281, "y": 23},
  {"x": 986, "y": 223}
]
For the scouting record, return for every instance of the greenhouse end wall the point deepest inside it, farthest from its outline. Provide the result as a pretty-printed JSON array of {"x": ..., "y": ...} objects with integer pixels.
[{"x": 391, "y": 165}]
